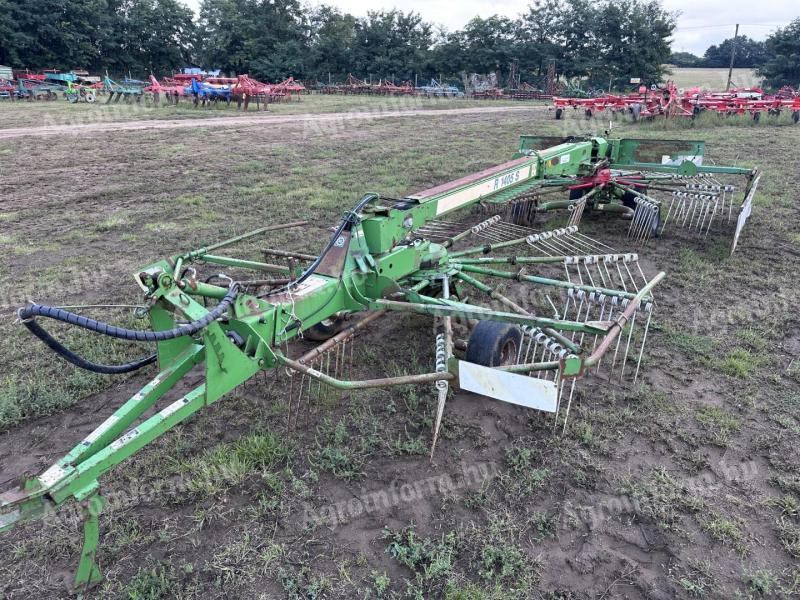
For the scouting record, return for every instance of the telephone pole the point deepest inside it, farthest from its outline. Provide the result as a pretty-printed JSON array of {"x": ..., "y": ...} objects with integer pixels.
[{"x": 733, "y": 55}]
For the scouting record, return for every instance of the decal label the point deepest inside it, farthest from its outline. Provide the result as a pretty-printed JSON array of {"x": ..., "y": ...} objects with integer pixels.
[{"x": 484, "y": 188}]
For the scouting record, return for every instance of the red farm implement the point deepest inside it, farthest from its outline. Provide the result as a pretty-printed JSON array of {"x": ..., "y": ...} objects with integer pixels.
[
  {"x": 488, "y": 94},
  {"x": 751, "y": 102},
  {"x": 170, "y": 89},
  {"x": 384, "y": 87},
  {"x": 351, "y": 85},
  {"x": 387, "y": 87},
  {"x": 287, "y": 88},
  {"x": 669, "y": 101},
  {"x": 663, "y": 101},
  {"x": 246, "y": 89},
  {"x": 526, "y": 91},
  {"x": 7, "y": 89}
]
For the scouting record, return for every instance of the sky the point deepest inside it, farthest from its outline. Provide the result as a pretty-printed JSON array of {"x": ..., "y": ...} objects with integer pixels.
[{"x": 701, "y": 23}]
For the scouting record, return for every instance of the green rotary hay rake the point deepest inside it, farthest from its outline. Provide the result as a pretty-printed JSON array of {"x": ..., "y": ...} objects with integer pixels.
[{"x": 520, "y": 315}]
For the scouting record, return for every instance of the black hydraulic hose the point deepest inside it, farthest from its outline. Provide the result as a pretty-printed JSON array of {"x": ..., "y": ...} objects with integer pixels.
[
  {"x": 347, "y": 223},
  {"x": 131, "y": 335},
  {"x": 27, "y": 315},
  {"x": 81, "y": 362}
]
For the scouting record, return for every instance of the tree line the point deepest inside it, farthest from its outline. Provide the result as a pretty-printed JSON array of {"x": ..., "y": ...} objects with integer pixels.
[
  {"x": 775, "y": 59},
  {"x": 604, "y": 42},
  {"x": 749, "y": 54}
]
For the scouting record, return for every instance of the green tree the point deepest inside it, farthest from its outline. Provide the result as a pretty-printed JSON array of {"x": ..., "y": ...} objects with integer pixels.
[
  {"x": 782, "y": 67},
  {"x": 448, "y": 55},
  {"x": 749, "y": 53},
  {"x": 685, "y": 60},
  {"x": 392, "y": 44},
  {"x": 333, "y": 36},
  {"x": 632, "y": 41},
  {"x": 540, "y": 36},
  {"x": 265, "y": 38},
  {"x": 489, "y": 44},
  {"x": 58, "y": 34},
  {"x": 156, "y": 36},
  {"x": 12, "y": 39}
]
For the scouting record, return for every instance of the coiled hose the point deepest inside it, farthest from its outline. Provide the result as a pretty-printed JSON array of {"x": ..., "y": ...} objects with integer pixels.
[{"x": 28, "y": 313}]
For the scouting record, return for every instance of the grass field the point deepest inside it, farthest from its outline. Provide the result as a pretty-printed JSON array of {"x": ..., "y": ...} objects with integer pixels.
[
  {"x": 686, "y": 487},
  {"x": 712, "y": 79},
  {"x": 31, "y": 114}
]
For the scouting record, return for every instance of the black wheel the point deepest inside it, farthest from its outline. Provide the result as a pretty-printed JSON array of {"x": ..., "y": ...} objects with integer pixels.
[
  {"x": 559, "y": 113},
  {"x": 756, "y": 116},
  {"x": 324, "y": 330},
  {"x": 492, "y": 344},
  {"x": 523, "y": 213},
  {"x": 629, "y": 198},
  {"x": 588, "y": 113},
  {"x": 796, "y": 116}
]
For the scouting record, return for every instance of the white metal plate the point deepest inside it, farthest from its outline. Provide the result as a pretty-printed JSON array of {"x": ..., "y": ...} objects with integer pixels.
[
  {"x": 508, "y": 387},
  {"x": 744, "y": 212}
]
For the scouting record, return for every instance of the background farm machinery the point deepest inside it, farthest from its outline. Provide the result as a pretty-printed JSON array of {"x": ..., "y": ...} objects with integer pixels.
[
  {"x": 669, "y": 101},
  {"x": 53, "y": 86},
  {"x": 130, "y": 91},
  {"x": 201, "y": 88},
  {"x": 354, "y": 86},
  {"x": 444, "y": 253}
]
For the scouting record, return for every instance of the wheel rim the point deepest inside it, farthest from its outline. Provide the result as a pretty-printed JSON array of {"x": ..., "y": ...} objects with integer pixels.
[{"x": 508, "y": 353}]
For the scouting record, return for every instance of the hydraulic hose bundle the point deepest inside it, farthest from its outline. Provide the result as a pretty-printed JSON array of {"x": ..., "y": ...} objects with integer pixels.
[{"x": 29, "y": 313}]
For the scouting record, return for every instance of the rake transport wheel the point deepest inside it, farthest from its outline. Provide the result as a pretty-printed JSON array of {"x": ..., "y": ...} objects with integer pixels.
[
  {"x": 493, "y": 344},
  {"x": 324, "y": 330},
  {"x": 559, "y": 113},
  {"x": 796, "y": 116}
]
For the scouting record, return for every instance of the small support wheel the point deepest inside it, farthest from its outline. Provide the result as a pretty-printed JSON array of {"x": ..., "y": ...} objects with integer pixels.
[
  {"x": 559, "y": 113},
  {"x": 493, "y": 344},
  {"x": 325, "y": 329},
  {"x": 796, "y": 116}
]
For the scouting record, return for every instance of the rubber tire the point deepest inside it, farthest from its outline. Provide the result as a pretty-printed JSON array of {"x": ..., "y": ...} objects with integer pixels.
[
  {"x": 559, "y": 114},
  {"x": 796, "y": 116},
  {"x": 588, "y": 113},
  {"x": 490, "y": 340},
  {"x": 756, "y": 116},
  {"x": 629, "y": 199},
  {"x": 324, "y": 330}
]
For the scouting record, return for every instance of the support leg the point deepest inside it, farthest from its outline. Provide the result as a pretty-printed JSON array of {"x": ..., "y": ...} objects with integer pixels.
[{"x": 88, "y": 573}]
